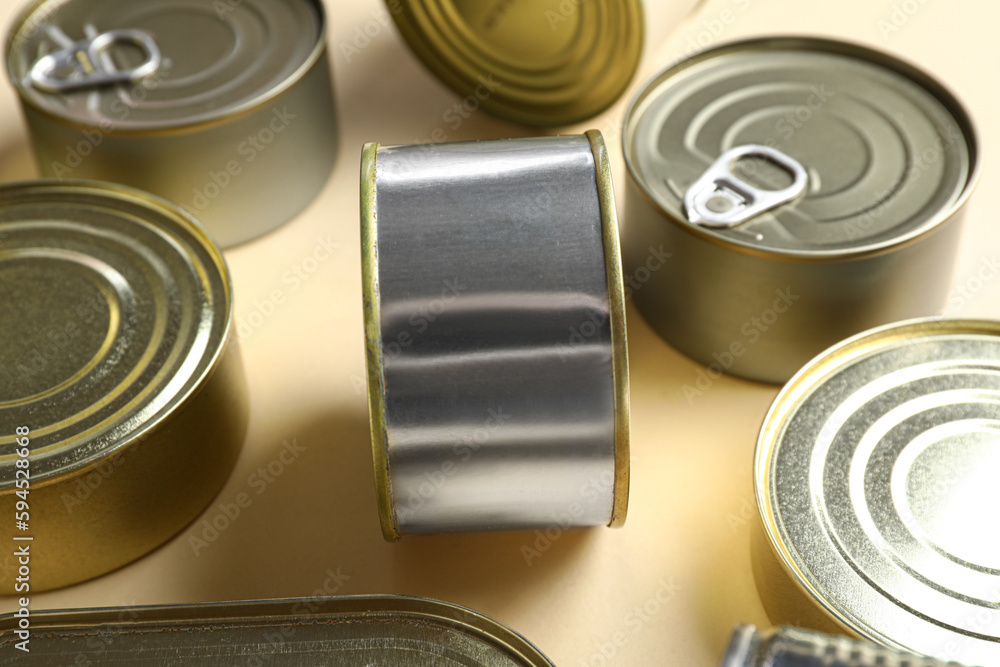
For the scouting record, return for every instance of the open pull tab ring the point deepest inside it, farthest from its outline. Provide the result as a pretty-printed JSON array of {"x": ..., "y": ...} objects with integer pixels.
[
  {"x": 80, "y": 64},
  {"x": 719, "y": 198}
]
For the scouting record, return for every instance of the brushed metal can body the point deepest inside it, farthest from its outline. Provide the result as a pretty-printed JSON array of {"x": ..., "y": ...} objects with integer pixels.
[
  {"x": 345, "y": 630},
  {"x": 122, "y": 395},
  {"x": 875, "y": 480},
  {"x": 887, "y": 159},
  {"x": 797, "y": 647},
  {"x": 494, "y": 315},
  {"x": 238, "y": 108}
]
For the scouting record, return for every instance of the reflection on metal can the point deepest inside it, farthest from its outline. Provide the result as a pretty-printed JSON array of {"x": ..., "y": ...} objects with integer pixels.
[
  {"x": 795, "y": 647},
  {"x": 805, "y": 189},
  {"x": 494, "y": 321},
  {"x": 209, "y": 105},
  {"x": 350, "y": 630},
  {"x": 120, "y": 363},
  {"x": 538, "y": 62},
  {"x": 875, "y": 476}
]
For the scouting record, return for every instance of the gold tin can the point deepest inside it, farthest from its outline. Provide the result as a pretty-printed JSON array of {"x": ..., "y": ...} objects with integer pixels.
[
  {"x": 349, "y": 630},
  {"x": 876, "y": 482},
  {"x": 209, "y": 105},
  {"x": 122, "y": 395},
  {"x": 537, "y": 62}
]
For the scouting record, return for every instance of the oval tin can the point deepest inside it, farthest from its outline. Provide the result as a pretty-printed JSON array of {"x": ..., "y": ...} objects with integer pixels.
[
  {"x": 122, "y": 395},
  {"x": 224, "y": 108},
  {"x": 875, "y": 478},
  {"x": 348, "y": 630},
  {"x": 495, "y": 331},
  {"x": 537, "y": 62},
  {"x": 805, "y": 190}
]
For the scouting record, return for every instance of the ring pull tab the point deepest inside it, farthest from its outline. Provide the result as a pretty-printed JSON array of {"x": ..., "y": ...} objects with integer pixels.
[
  {"x": 80, "y": 64},
  {"x": 719, "y": 198}
]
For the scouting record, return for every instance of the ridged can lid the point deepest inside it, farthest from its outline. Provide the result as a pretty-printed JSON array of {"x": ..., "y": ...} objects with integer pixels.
[{"x": 876, "y": 480}]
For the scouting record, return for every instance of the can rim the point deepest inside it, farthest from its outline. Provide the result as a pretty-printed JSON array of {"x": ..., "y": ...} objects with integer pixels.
[
  {"x": 117, "y": 192},
  {"x": 210, "y": 120},
  {"x": 616, "y": 317},
  {"x": 790, "y": 395},
  {"x": 945, "y": 95},
  {"x": 469, "y": 620}
]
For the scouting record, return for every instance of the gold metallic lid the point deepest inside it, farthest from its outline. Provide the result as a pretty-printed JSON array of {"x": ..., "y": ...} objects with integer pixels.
[
  {"x": 537, "y": 62},
  {"x": 876, "y": 481},
  {"x": 800, "y": 147},
  {"x": 144, "y": 66}
]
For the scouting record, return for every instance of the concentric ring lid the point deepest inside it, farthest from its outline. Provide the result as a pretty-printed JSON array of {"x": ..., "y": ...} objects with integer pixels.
[
  {"x": 876, "y": 476},
  {"x": 538, "y": 62},
  {"x": 885, "y": 152},
  {"x": 152, "y": 64},
  {"x": 113, "y": 308}
]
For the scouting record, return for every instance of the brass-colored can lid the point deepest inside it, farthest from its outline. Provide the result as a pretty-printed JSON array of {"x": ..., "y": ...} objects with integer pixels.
[
  {"x": 537, "y": 62},
  {"x": 118, "y": 364},
  {"x": 876, "y": 480}
]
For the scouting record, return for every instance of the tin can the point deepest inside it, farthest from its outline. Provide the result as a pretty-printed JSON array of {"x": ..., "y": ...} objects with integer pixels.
[
  {"x": 349, "y": 630},
  {"x": 537, "y": 63},
  {"x": 875, "y": 478},
  {"x": 804, "y": 190},
  {"x": 122, "y": 396},
  {"x": 224, "y": 108},
  {"x": 495, "y": 332},
  {"x": 795, "y": 647}
]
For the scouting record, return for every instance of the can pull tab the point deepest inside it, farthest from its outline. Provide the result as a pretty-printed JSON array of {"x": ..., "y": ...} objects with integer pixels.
[
  {"x": 80, "y": 65},
  {"x": 719, "y": 198}
]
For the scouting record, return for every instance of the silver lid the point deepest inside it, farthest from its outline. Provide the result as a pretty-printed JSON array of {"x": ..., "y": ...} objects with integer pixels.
[
  {"x": 154, "y": 64},
  {"x": 887, "y": 151},
  {"x": 876, "y": 479},
  {"x": 113, "y": 308}
]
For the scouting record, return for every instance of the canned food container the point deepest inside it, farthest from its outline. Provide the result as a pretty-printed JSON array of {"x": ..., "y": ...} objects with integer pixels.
[
  {"x": 495, "y": 332},
  {"x": 796, "y": 647},
  {"x": 122, "y": 398},
  {"x": 785, "y": 193},
  {"x": 351, "y": 630},
  {"x": 876, "y": 482},
  {"x": 538, "y": 63},
  {"x": 224, "y": 108}
]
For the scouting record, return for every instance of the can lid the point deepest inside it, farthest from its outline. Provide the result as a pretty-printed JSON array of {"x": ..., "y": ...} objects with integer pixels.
[
  {"x": 538, "y": 62},
  {"x": 146, "y": 66},
  {"x": 114, "y": 306},
  {"x": 876, "y": 480},
  {"x": 885, "y": 151}
]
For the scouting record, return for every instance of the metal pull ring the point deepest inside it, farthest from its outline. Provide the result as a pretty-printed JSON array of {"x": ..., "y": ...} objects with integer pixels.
[
  {"x": 84, "y": 66},
  {"x": 719, "y": 198}
]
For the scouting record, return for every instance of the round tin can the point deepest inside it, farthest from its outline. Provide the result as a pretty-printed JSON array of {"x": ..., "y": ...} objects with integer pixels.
[
  {"x": 876, "y": 481},
  {"x": 495, "y": 331},
  {"x": 548, "y": 62},
  {"x": 122, "y": 396},
  {"x": 210, "y": 105},
  {"x": 805, "y": 190}
]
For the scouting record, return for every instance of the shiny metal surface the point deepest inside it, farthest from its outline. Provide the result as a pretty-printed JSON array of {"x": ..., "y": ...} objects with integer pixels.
[
  {"x": 796, "y": 647},
  {"x": 538, "y": 62},
  {"x": 875, "y": 480},
  {"x": 498, "y": 381},
  {"x": 241, "y": 103},
  {"x": 891, "y": 158},
  {"x": 334, "y": 631},
  {"x": 118, "y": 354}
]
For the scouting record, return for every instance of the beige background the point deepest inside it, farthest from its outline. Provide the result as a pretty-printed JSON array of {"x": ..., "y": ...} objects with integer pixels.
[{"x": 687, "y": 534}]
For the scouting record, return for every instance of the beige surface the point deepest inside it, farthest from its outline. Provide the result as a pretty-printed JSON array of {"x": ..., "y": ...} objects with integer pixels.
[{"x": 686, "y": 540}]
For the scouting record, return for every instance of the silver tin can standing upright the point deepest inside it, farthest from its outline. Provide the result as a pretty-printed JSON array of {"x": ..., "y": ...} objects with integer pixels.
[
  {"x": 495, "y": 330},
  {"x": 224, "y": 108},
  {"x": 122, "y": 399},
  {"x": 876, "y": 482},
  {"x": 807, "y": 190}
]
